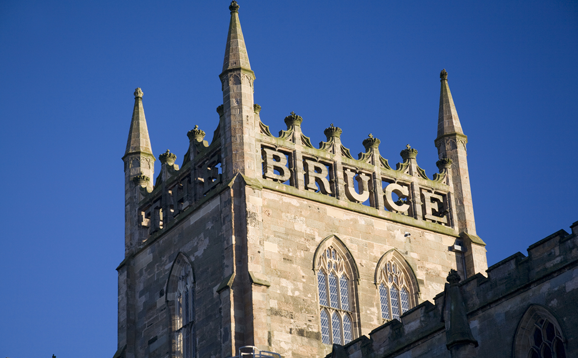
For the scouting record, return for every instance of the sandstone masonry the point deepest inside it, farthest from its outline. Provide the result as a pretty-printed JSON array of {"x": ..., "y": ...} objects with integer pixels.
[{"x": 270, "y": 242}]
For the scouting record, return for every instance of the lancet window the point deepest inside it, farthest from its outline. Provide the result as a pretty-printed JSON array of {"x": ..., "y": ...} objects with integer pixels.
[
  {"x": 396, "y": 287},
  {"x": 181, "y": 303},
  {"x": 334, "y": 281}
]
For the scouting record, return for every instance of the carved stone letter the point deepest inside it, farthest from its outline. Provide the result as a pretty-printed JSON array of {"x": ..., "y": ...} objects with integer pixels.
[
  {"x": 362, "y": 180},
  {"x": 144, "y": 221},
  {"x": 431, "y": 205},
  {"x": 401, "y": 191},
  {"x": 211, "y": 177},
  {"x": 317, "y": 172},
  {"x": 275, "y": 160}
]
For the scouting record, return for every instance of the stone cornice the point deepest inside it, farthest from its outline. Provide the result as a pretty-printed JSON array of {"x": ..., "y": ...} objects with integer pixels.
[
  {"x": 144, "y": 154},
  {"x": 458, "y": 135},
  {"x": 240, "y": 69},
  {"x": 350, "y": 206}
]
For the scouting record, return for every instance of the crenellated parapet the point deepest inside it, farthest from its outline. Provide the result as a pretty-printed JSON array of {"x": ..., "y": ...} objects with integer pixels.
[
  {"x": 330, "y": 170},
  {"x": 447, "y": 321},
  {"x": 178, "y": 191},
  {"x": 367, "y": 184}
]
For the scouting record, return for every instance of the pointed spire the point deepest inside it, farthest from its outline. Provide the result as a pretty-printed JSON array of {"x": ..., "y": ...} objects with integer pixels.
[
  {"x": 236, "y": 55},
  {"x": 448, "y": 120},
  {"x": 138, "y": 135}
]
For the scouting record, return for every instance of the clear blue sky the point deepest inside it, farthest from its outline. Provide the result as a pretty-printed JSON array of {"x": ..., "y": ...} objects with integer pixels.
[{"x": 68, "y": 70}]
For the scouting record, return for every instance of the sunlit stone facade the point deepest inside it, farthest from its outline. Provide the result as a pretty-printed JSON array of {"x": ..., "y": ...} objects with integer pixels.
[{"x": 268, "y": 241}]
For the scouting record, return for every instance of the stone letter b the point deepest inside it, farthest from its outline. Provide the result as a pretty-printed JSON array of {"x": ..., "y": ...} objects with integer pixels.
[{"x": 274, "y": 160}]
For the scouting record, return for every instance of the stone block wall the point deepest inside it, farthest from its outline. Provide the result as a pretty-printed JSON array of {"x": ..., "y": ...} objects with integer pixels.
[
  {"x": 497, "y": 306},
  {"x": 201, "y": 237},
  {"x": 283, "y": 251}
]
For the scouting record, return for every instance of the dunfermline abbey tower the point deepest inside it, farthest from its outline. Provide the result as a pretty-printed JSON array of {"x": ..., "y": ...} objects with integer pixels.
[{"x": 266, "y": 246}]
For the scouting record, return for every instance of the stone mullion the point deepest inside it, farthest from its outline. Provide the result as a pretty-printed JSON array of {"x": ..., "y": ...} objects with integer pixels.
[
  {"x": 450, "y": 197},
  {"x": 377, "y": 192},
  {"x": 416, "y": 200},
  {"x": 339, "y": 180},
  {"x": 187, "y": 199},
  {"x": 333, "y": 146},
  {"x": 165, "y": 197},
  {"x": 155, "y": 217},
  {"x": 409, "y": 155},
  {"x": 194, "y": 184},
  {"x": 143, "y": 231},
  {"x": 297, "y": 157},
  {"x": 297, "y": 169}
]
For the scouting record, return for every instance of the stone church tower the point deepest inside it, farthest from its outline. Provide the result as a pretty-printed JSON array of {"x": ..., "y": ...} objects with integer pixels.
[{"x": 268, "y": 241}]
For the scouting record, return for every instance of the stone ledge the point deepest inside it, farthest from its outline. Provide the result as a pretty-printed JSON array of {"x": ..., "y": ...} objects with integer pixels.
[
  {"x": 226, "y": 283},
  {"x": 258, "y": 279},
  {"x": 359, "y": 208}
]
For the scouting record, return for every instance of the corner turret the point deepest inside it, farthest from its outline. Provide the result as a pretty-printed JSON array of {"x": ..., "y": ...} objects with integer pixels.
[
  {"x": 240, "y": 127},
  {"x": 451, "y": 144},
  {"x": 138, "y": 168}
]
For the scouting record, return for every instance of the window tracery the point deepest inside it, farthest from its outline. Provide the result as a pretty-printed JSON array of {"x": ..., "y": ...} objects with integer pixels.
[
  {"x": 396, "y": 287},
  {"x": 539, "y": 335},
  {"x": 334, "y": 282},
  {"x": 546, "y": 341},
  {"x": 180, "y": 299},
  {"x": 184, "y": 314}
]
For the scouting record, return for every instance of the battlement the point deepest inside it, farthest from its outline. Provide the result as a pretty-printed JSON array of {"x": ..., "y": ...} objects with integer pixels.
[
  {"x": 179, "y": 191},
  {"x": 519, "y": 271},
  {"x": 328, "y": 173},
  {"x": 369, "y": 180},
  {"x": 549, "y": 256}
]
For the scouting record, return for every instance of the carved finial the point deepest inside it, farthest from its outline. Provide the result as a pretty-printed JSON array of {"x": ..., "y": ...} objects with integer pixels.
[
  {"x": 234, "y": 7},
  {"x": 293, "y": 120},
  {"x": 196, "y": 134},
  {"x": 256, "y": 108},
  {"x": 332, "y": 131},
  {"x": 444, "y": 164},
  {"x": 444, "y": 75},
  {"x": 371, "y": 142},
  {"x": 408, "y": 153},
  {"x": 138, "y": 93},
  {"x": 168, "y": 157},
  {"x": 453, "y": 277},
  {"x": 140, "y": 179}
]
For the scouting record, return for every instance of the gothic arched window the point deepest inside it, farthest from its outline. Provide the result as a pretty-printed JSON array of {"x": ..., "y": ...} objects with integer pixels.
[
  {"x": 396, "y": 286},
  {"x": 180, "y": 298},
  {"x": 335, "y": 279},
  {"x": 538, "y": 335}
]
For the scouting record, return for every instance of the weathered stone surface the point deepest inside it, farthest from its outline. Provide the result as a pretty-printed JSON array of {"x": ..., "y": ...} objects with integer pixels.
[
  {"x": 252, "y": 214},
  {"x": 500, "y": 312}
]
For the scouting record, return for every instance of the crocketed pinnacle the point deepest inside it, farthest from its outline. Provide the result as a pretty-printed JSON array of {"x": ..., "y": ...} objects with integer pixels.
[
  {"x": 448, "y": 120},
  {"x": 236, "y": 55},
  {"x": 138, "y": 135}
]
